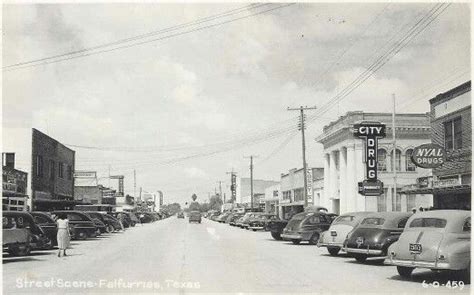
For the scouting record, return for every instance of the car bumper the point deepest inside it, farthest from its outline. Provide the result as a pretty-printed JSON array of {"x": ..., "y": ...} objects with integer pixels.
[
  {"x": 292, "y": 236},
  {"x": 366, "y": 251},
  {"x": 256, "y": 227},
  {"x": 422, "y": 264},
  {"x": 329, "y": 244}
]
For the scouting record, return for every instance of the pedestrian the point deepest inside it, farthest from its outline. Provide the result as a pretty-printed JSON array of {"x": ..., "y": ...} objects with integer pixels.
[
  {"x": 421, "y": 209},
  {"x": 63, "y": 234}
]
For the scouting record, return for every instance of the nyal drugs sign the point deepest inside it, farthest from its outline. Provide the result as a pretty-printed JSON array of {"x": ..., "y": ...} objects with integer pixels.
[
  {"x": 428, "y": 156},
  {"x": 370, "y": 132}
]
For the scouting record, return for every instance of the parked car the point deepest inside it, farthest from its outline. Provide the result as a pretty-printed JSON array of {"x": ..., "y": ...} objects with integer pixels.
[
  {"x": 99, "y": 224},
  {"x": 108, "y": 227},
  {"x": 180, "y": 215},
  {"x": 243, "y": 221},
  {"x": 48, "y": 225},
  {"x": 276, "y": 228},
  {"x": 222, "y": 218},
  {"x": 21, "y": 234},
  {"x": 82, "y": 225},
  {"x": 306, "y": 226},
  {"x": 133, "y": 218},
  {"x": 112, "y": 223},
  {"x": 146, "y": 217},
  {"x": 229, "y": 217},
  {"x": 333, "y": 238},
  {"x": 194, "y": 216},
  {"x": 234, "y": 218},
  {"x": 438, "y": 240},
  {"x": 260, "y": 222},
  {"x": 373, "y": 236},
  {"x": 332, "y": 216},
  {"x": 215, "y": 215}
]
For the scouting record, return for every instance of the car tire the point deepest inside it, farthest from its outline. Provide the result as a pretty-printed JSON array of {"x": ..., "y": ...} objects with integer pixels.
[
  {"x": 276, "y": 236},
  {"x": 81, "y": 235},
  {"x": 296, "y": 242},
  {"x": 333, "y": 251},
  {"x": 17, "y": 251},
  {"x": 314, "y": 239},
  {"x": 254, "y": 230},
  {"x": 360, "y": 258},
  {"x": 405, "y": 272}
]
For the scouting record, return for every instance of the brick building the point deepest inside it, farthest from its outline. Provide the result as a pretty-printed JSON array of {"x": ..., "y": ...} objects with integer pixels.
[
  {"x": 14, "y": 185},
  {"x": 52, "y": 166}
]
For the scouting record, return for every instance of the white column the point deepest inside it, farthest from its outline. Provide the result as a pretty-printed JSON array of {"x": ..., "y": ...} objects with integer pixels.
[
  {"x": 360, "y": 174},
  {"x": 351, "y": 190},
  {"x": 325, "y": 197},
  {"x": 342, "y": 180},
  {"x": 332, "y": 178}
]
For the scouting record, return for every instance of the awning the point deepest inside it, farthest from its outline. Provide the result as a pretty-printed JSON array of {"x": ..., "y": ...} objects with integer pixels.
[{"x": 455, "y": 189}]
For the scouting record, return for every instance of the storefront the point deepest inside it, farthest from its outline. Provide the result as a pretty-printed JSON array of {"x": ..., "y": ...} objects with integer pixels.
[{"x": 14, "y": 184}]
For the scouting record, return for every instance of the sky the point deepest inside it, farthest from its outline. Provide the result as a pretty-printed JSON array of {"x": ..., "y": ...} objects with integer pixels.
[{"x": 185, "y": 109}]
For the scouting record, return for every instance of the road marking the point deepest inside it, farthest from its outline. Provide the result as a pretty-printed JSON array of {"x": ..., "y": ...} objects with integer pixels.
[{"x": 212, "y": 232}]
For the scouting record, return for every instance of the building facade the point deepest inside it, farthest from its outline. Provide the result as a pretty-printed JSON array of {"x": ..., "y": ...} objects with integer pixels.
[
  {"x": 272, "y": 196},
  {"x": 259, "y": 186},
  {"x": 52, "y": 181},
  {"x": 292, "y": 190},
  {"x": 14, "y": 185},
  {"x": 344, "y": 163},
  {"x": 451, "y": 128}
]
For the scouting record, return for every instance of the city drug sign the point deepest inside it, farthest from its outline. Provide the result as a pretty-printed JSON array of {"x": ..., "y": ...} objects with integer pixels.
[{"x": 370, "y": 132}]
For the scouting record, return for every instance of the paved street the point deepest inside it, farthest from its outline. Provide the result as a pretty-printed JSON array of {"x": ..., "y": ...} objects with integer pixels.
[{"x": 206, "y": 257}]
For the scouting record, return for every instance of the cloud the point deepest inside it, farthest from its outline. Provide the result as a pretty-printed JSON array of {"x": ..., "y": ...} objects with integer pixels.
[{"x": 195, "y": 173}]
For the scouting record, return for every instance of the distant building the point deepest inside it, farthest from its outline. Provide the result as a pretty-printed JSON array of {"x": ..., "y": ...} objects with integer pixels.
[
  {"x": 14, "y": 185},
  {"x": 291, "y": 199},
  {"x": 451, "y": 128},
  {"x": 259, "y": 186},
  {"x": 344, "y": 163},
  {"x": 272, "y": 197}
]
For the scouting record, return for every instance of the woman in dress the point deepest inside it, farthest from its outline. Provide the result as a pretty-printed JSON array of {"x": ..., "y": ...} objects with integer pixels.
[{"x": 63, "y": 233}]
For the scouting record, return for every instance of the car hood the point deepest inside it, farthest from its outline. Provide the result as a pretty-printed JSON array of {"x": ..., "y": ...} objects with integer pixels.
[{"x": 429, "y": 239}]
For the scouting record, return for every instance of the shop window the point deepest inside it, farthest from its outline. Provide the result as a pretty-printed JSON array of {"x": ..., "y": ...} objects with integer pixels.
[
  {"x": 39, "y": 166},
  {"x": 382, "y": 201},
  {"x": 51, "y": 169},
  {"x": 396, "y": 201},
  {"x": 409, "y": 165},
  {"x": 453, "y": 134},
  {"x": 411, "y": 202},
  {"x": 381, "y": 160},
  {"x": 398, "y": 159}
]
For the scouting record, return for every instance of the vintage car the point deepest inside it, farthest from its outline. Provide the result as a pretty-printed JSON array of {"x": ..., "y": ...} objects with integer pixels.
[
  {"x": 261, "y": 222},
  {"x": 83, "y": 226},
  {"x": 222, "y": 218},
  {"x": 244, "y": 221},
  {"x": 306, "y": 226},
  {"x": 108, "y": 227},
  {"x": 438, "y": 240},
  {"x": 133, "y": 218},
  {"x": 113, "y": 224},
  {"x": 333, "y": 238},
  {"x": 229, "y": 217},
  {"x": 194, "y": 216},
  {"x": 180, "y": 215},
  {"x": 21, "y": 234},
  {"x": 48, "y": 225},
  {"x": 99, "y": 224},
  {"x": 374, "y": 234},
  {"x": 234, "y": 218}
]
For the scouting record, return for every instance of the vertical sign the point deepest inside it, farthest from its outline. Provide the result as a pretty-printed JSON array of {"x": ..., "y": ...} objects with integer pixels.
[
  {"x": 370, "y": 132},
  {"x": 309, "y": 179},
  {"x": 233, "y": 186}
]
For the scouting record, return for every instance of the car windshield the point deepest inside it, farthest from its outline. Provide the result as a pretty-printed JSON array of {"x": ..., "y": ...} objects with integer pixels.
[
  {"x": 428, "y": 222},
  {"x": 373, "y": 221}
]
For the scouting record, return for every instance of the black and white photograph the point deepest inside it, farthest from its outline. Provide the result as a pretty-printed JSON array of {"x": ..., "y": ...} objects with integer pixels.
[{"x": 233, "y": 147}]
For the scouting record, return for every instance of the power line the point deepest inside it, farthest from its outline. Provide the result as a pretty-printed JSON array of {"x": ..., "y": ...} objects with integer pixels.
[{"x": 149, "y": 41}]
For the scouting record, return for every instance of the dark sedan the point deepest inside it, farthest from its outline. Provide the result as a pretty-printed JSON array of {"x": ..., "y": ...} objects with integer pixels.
[
  {"x": 306, "y": 226},
  {"x": 261, "y": 222},
  {"x": 82, "y": 225},
  {"x": 48, "y": 225}
]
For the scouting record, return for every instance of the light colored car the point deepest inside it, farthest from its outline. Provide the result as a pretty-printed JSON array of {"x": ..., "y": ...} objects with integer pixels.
[
  {"x": 333, "y": 238},
  {"x": 438, "y": 240}
]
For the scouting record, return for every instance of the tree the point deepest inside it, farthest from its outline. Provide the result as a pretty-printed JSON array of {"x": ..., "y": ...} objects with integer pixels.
[
  {"x": 194, "y": 197},
  {"x": 215, "y": 203}
]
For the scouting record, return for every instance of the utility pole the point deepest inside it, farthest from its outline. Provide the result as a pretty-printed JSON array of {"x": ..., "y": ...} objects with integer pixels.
[
  {"x": 394, "y": 157},
  {"x": 251, "y": 179},
  {"x": 109, "y": 175},
  {"x": 301, "y": 126},
  {"x": 140, "y": 194}
]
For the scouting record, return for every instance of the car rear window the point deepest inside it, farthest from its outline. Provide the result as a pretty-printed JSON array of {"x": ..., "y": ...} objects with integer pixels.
[
  {"x": 428, "y": 222},
  {"x": 298, "y": 217},
  {"x": 344, "y": 218},
  {"x": 373, "y": 221}
]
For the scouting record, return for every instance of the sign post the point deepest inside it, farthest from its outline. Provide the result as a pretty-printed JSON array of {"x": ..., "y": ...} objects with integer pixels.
[{"x": 370, "y": 132}]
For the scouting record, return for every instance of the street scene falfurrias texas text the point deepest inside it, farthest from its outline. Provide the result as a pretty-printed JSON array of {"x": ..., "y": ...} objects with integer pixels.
[{"x": 236, "y": 147}]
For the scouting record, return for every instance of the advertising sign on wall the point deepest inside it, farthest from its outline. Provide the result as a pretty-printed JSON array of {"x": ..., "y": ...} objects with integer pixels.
[{"x": 428, "y": 155}]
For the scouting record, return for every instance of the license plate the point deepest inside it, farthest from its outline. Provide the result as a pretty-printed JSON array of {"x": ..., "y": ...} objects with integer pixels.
[
  {"x": 415, "y": 248},
  {"x": 333, "y": 233},
  {"x": 359, "y": 241}
]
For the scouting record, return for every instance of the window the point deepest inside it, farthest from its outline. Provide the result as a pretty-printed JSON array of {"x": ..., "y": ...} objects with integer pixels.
[
  {"x": 60, "y": 170},
  {"x": 381, "y": 160},
  {"x": 51, "y": 169},
  {"x": 402, "y": 223},
  {"x": 428, "y": 222},
  {"x": 396, "y": 201},
  {"x": 373, "y": 221},
  {"x": 299, "y": 194},
  {"x": 69, "y": 172},
  {"x": 344, "y": 218},
  {"x": 382, "y": 201},
  {"x": 409, "y": 165},
  {"x": 39, "y": 166},
  {"x": 453, "y": 134},
  {"x": 286, "y": 195},
  {"x": 398, "y": 159},
  {"x": 41, "y": 219},
  {"x": 411, "y": 202}
]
